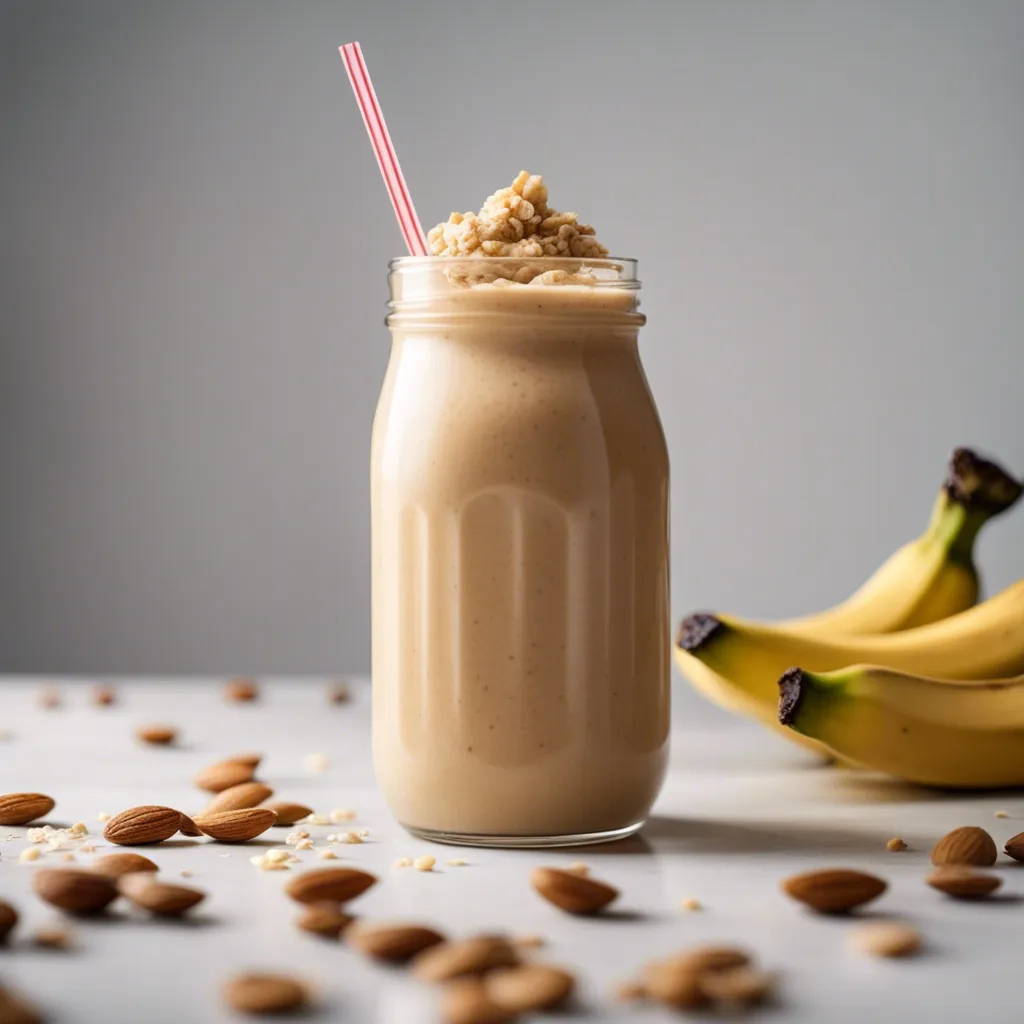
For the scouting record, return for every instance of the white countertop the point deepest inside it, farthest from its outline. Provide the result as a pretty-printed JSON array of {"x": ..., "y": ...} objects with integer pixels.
[{"x": 740, "y": 811}]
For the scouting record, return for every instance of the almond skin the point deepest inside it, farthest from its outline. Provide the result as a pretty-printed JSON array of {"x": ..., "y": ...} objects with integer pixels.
[
  {"x": 77, "y": 892},
  {"x": 161, "y": 898},
  {"x": 834, "y": 890},
  {"x": 965, "y": 846},
  {"x": 241, "y": 690},
  {"x": 529, "y": 988},
  {"x": 157, "y": 735},
  {"x": 223, "y": 775},
  {"x": 466, "y": 1002},
  {"x": 265, "y": 993},
  {"x": 572, "y": 892},
  {"x": 1015, "y": 847},
  {"x": 21, "y": 808},
  {"x": 240, "y": 797},
  {"x": 236, "y": 826},
  {"x": 962, "y": 883},
  {"x": 8, "y": 919},
  {"x": 325, "y": 919},
  {"x": 289, "y": 813},
  {"x": 393, "y": 943},
  {"x": 334, "y": 885},
  {"x": 115, "y": 865},
  {"x": 139, "y": 826},
  {"x": 464, "y": 958}
]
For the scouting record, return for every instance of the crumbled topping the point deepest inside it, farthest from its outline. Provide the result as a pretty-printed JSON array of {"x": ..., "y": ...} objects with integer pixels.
[{"x": 294, "y": 838}]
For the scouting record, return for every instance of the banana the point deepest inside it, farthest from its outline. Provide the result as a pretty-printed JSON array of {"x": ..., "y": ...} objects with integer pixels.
[{"x": 932, "y": 731}]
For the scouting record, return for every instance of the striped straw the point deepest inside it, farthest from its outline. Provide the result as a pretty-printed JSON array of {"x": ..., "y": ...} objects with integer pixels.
[{"x": 387, "y": 159}]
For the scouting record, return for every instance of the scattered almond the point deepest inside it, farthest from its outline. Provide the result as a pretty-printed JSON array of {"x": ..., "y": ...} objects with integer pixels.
[
  {"x": 157, "y": 735},
  {"x": 403, "y": 862},
  {"x": 669, "y": 983},
  {"x": 103, "y": 695},
  {"x": 338, "y": 693},
  {"x": 16, "y": 1010},
  {"x": 465, "y": 957},
  {"x": 885, "y": 938},
  {"x": 78, "y": 892},
  {"x": 834, "y": 890},
  {"x": 570, "y": 892},
  {"x": 689, "y": 903},
  {"x": 240, "y": 797},
  {"x": 1001, "y": 814},
  {"x": 466, "y": 1002},
  {"x": 337, "y": 885},
  {"x": 1015, "y": 847},
  {"x": 249, "y": 759},
  {"x": 8, "y": 919},
  {"x": 32, "y": 853},
  {"x": 50, "y": 698},
  {"x": 340, "y": 814},
  {"x": 187, "y": 827},
  {"x": 739, "y": 987},
  {"x": 139, "y": 826},
  {"x": 265, "y": 993},
  {"x": 236, "y": 826},
  {"x": 394, "y": 943},
  {"x": 326, "y": 919},
  {"x": 424, "y": 863},
  {"x": 709, "y": 958},
  {"x": 21, "y": 808},
  {"x": 529, "y": 987},
  {"x": 327, "y": 854},
  {"x": 288, "y": 813},
  {"x": 968, "y": 845},
  {"x": 962, "y": 883},
  {"x": 52, "y": 937},
  {"x": 161, "y": 898},
  {"x": 895, "y": 845},
  {"x": 241, "y": 689},
  {"x": 223, "y": 775}
]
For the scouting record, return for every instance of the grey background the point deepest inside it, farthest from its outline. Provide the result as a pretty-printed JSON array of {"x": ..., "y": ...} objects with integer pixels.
[{"x": 825, "y": 198}]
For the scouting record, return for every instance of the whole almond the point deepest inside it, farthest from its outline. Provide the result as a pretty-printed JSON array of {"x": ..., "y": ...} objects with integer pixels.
[
  {"x": 834, "y": 890},
  {"x": 466, "y": 957},
  {"x": 265, "y": 993},
  {"x": 968, "y": 845},
  {"x": 158, "y": 735},
  {"x": 114, "y": 865},
  {"x": 223, "y": 775},
  {"x": 187, "y": 827},
  {"x": 466, "y": 1002},
  {"x": 21, "y": 808},
  {"x": 1015, "y": 847},
  {"x": 962, "y": 883},
  {"x": 709, "y": 958},
  {"x": 885, "y": 938},
  {"x": 160, "y": 898},
  {"x": 529, "y": 987},
  {"x": 289, "y": 813},
  {"x": 16, "y": 1010},
  {"x": 738, "y": 986},
  {"x": 394, "y": 943},
  {"x": 8, "y": 919},
  {"x": 333, "y": 885},
  {"x": 325, "y": 919},
  {"x": 78, "y": 892},
  {"x": 236, "y": 826},
  {"x": 238, "y": 798},
  {"x": 103, "y": 695},
  {"x": 679, "y": 987},
  {"x": 241, "y": 689},
  {"x": 252, "y": 760},
  {"x": 571, "y": 892},
  {"x": 139, "y": 826}
]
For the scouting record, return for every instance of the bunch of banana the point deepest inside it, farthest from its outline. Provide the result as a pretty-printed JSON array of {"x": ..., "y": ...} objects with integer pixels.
[{"x": 916, "y": 613}]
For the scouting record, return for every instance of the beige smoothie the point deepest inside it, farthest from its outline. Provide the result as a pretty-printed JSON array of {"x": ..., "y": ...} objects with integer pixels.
[{"x": 520, "y": 551}]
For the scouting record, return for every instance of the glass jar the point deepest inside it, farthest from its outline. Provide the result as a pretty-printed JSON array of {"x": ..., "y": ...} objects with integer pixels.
[{"x": 520, "y": 555}]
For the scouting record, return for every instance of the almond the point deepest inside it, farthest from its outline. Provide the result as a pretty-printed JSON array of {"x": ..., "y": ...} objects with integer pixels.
[
  {"x": 969, "y": 845},
  {"x": 338, "y": 693},
  {"x": 114, "y": 865},
  {"x": 1015, "y": 847},
  {"x": 158, "y": 735},
  {"x": 160, "y": 898},
  {"x": 394, "y": 943},
  {"x": 236, "y": 826},
  {"x": 529, "y": 987},
  {"x": 466, "y": 957},
  {"x": 334, "y": 885},
  {"x": 466, "y": 1002},
  {"x": 885, "y": 938},
  {"x": 265, "y": 993},
  {"x": 8, "y": 919},
  {"x": 103, "y": 696},
  {"x": 252, "y": 760},
  {"x": 962, "y": 883},
  {"x": 679, "y": 987},
  {"x": 834, "y": 890},
  {"x": 78, "y": 892},
  {"x": 15, "y": 1010},
  {"x": 49, "y": 697},
  {"x": 223, "y": 775},
  {"x": 573, "y": 893},
  {"x": 241, "y": 689},
  {"x": 21, "y": 808},
  {"x": 138, "y": 826},
  {"x": 187, "y": 827},
  {"x": 709, "y": 958},
  {"x": 737, "y": 987},
  {"x": 238, "y": 798},
  {"x": 289, "y": 813},
  {"x": 326, "y": 919}
]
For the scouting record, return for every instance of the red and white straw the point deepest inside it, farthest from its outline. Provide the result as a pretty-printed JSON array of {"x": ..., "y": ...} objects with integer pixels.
[{"x": 387, "y": 160}]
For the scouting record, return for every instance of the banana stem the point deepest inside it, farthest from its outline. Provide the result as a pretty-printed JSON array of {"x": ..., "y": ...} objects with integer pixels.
[{"x": 954, "y": 528}]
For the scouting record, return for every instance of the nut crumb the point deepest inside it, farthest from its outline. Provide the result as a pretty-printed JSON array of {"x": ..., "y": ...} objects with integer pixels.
[
  {"x": 351, "y": 838},
  {"x": 304, "y": 844},
  {"x": 577, "y": 867},
  {"x": 53, "y": 937},
  {"x": 885, "y": 938},
  {"x": 457, "y": 862},
  {"x": 269, "y": 862},
  {"x": 185, "y": 873},
  {"x": 327, "y": 854},
  {"x": 67, "y": 858},
  {"x": 50, "y": 698},
  {"x": 341, "y": 814},
  {"x": 690, "y": 903},
  {"x": 103, "y": 816},
  {"x": 338, "y": 693},
  {"x": 316, "y": 762},
  {"x": 424, "y": 863},
  {"x": 294, "y": 838},
  {"x": 363, "y": 833},
  {"x": 403, "y": 862},
  {"x": 78, "y": 830},
  {"x": 30, "y": 853},
  {"x": 87, "y": 848},
  {"x": 1002, "y": 814},
  {"x": 895, "y": 845},
  {"x": 528, "y": 941}
]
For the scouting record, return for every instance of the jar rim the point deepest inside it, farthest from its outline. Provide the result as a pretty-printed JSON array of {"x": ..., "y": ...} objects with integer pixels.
[{"x": 604, "y": 262}]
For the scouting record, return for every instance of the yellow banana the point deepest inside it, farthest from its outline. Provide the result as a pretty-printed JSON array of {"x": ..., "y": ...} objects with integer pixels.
[{"x": 933, "y": 731}]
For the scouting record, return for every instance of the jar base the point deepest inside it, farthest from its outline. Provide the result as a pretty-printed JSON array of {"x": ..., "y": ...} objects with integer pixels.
[{"x": 524, "y": 842}]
